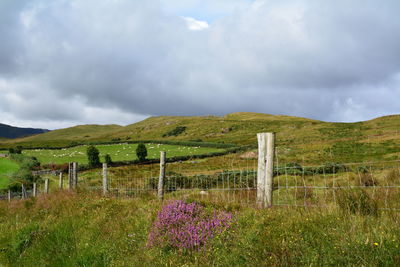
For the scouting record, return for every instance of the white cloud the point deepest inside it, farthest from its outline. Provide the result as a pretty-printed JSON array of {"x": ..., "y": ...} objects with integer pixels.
[
  {"x": 195, "y": 25},
  {"x": 71, "y": 62}
]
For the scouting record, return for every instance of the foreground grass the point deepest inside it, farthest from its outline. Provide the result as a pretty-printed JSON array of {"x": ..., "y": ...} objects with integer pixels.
[
  {"x": 7, "y": 167},
  {"x": 65, "y": 229},
  {"x": 118, "y": 152}
]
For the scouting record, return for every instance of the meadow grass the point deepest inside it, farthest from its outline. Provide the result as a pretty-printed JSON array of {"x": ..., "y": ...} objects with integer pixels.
[
  {"x": 118, "y": 152},
  {"x": 7, "y": 167},
  {"x": 67, "y": 229}
]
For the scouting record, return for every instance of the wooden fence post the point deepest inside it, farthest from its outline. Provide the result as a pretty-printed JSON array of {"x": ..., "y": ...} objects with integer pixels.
[
  {"x": 34, "y": 190},
  {"x": 61, "y": 181},
  {"x": 24, "y": 194},
  {"x": 75, "y": 174},
  {"x": 162, "y": 175},
  {"x": 269, "y": 183},
  {"x": 261, "y": 170},
  {"x": 105, "y": 179},
  {"x": 9, "y": 195},
  {"x": 46, "y": 186},
  {"x": 265, "y": 172},
  {"x": 70, "y": 178}
]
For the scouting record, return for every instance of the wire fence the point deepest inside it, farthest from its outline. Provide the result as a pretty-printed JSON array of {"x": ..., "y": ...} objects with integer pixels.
[
  {"x": 298, "y": 181},
  {"x": 357, "y": 184},
  {"x": 229, "y": 186}
]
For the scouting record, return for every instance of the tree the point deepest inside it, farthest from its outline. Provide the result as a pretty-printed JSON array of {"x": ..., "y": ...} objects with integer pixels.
[
  {"x": 93, "y": 156},
  {"x": 18, "y": 150},
  {"x": 107, "y": 159},
  {"x": 141, "y": 152}
]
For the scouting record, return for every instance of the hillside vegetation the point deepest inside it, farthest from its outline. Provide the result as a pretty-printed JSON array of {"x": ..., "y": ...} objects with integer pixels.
[
  {"x": 66, "y": 229},
  {"x": 7, "y": 131},
  {"x": 346, "y": 142}
]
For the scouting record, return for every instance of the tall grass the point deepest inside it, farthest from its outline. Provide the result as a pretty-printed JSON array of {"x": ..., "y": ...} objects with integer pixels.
[{"x": 66, "y": 229}]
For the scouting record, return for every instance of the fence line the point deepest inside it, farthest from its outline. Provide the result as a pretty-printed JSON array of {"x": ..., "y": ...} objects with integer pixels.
[{"x": 289, "y": 184}]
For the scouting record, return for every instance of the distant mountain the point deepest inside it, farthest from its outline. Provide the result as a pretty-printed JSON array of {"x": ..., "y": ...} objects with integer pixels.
[{"x": 8, "y": 131}]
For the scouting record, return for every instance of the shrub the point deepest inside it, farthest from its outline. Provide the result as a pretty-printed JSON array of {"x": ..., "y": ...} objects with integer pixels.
[
  {"x": 332, "y": 167},
  {"x": 107, "y": 159},
  {"x": 356, "y": 201},
  {"x": 176, "y": 131},
  {"x": 141, "y": 152},
  {"x": 93, "y": 156},
  {"x": 187, "y": 226}
]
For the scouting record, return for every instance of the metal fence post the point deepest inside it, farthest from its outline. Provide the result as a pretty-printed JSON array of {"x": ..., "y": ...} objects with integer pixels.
[
  {"x": 162, "y": 175},
  {"x": 105, "y": 179}
]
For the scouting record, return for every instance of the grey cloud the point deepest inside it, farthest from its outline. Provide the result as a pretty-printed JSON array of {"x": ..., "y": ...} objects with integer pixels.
[{"x": 324, "y": 60}]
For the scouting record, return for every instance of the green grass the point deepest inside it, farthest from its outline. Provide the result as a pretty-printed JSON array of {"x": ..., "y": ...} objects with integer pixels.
[
  {"x": 310, "y": 141},
  {"x": 7, "y": 167},
  {"x": 65, "y": 229},
  {"x": 118, "y": 152}
]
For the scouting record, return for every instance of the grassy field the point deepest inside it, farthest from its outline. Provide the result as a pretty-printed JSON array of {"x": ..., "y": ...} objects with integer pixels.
[
  {"x": 297, "y": 138},
  {"x": 118, "y": 152},
  {"x": 66, "y": 229},
  {"x": 7, "y": 167}
]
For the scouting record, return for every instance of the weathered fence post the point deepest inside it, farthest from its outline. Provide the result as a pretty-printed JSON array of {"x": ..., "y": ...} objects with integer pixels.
[
  {"x": 34, "y": 190},
  {"x": 46, "y": 186},
  {"x": 269, "y": 183},
  {"x": 105, "y": 179},
  {"x": 9, "y": 195},
  {"x": 75, "y": 174},
  {"x": 24, "y": 194},
  {"x": 265, "y": 172},
  {"x": 261, "y": 170},
  {"x": 70, "y": 181},
  {"x": 61, "y": 181},
  {"x": 162, "y": 175}
]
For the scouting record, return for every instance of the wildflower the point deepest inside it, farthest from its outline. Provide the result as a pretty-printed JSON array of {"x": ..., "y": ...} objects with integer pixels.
[
  {"x": 376, "y": 244},
  {"x": 187, "y": 226}
]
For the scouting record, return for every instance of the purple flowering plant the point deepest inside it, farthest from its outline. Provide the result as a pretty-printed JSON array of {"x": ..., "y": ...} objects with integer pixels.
[{"x": 186, "y": 225}]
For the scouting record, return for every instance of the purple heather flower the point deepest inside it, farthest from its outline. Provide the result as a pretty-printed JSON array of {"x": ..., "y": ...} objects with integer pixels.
[{"x": 183, "y": 225}]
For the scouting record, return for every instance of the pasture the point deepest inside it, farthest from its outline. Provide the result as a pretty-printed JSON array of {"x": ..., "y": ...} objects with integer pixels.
[
  {"x": 7, "y": 167},
  {"x": 118, "y": 152}
]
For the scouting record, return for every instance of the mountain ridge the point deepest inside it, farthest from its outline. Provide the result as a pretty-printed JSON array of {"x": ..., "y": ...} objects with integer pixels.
[{"x": 8, "y": 131}]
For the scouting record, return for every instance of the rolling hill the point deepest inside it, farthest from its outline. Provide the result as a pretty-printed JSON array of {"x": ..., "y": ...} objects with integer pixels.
[
  {"x": 7, "y": 131},
  {"x": 379, "y": 137}
]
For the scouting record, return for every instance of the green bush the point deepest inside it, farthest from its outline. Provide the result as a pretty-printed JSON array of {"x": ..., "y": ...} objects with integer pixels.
[
  {"x": 93, "y": 156},
  {"x": 176, "y": 131},
  {"x": 107, "y": 159},
  {"x": 141, "y": 152}
]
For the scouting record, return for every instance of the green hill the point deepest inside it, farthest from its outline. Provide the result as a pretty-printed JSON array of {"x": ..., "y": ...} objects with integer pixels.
[
  {"x": 7, "y": 131},
  {"x": 377, "y": 138}
]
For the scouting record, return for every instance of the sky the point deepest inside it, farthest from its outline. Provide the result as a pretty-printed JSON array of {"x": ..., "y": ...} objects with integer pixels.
[{"x": 70, "y": 62}]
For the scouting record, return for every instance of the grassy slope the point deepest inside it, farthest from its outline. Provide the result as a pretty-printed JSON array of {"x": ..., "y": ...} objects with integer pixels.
[
  {"x": 7, "y": 167},
  {"x": 65, "y": 136},
  {"x": 362, "y": 141},
  {"x": 118, "y": 152},
  {"x": 68, "y": 230}
]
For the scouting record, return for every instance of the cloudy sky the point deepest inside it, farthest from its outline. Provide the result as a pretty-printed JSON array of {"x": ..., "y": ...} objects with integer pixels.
[{"x": 68, "y": 62}]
